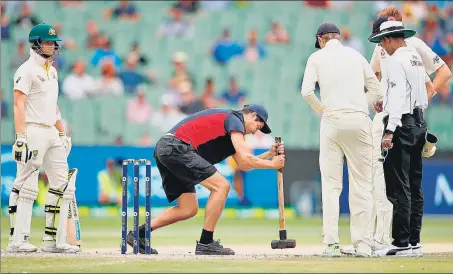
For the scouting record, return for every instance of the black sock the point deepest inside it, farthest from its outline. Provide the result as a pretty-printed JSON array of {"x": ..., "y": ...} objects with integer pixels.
[
  {"x": 206, "y": 237},
  {"x": 141, "y": 231}
]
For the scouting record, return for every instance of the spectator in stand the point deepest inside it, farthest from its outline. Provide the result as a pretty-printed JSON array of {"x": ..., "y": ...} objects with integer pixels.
[
  {"x": 5, "y": 27},
  {"x": 105, "y": 52},
  {"x": 180, "y": 73},
  {"x": 234, "y": 95},
  {"x": 176, "y": 26},
  {"x": 125, "y": 11},
  {"x": 109, "y": 83},
  {"x": 26, "y": 19},
  {"x": 187, "y": 6},
  {"x": 137, "y": 54},
  {"x": 317, "y": 3},
  {"x": 13, "y": 8},
  {"x": 190, "y": 104},
  {"x": 138, "y": 110},
  {"x": 225, "y": 48},
  {"x": 208, "y": 96},
  {"x": 352, "y": 41},
  {"x": 131, "y": 78},
  {"x": 167, "y": 116},
  {"x": 277, "y": 34},
  {"x": 253, "y": 51},
  {"x": 78, "y": 84},
  {"x": 94, "y": 35},
  {"x": 146, "y": 139},
  {"x": 19, "y": 57},
  {"x": 434, "y": 41}
]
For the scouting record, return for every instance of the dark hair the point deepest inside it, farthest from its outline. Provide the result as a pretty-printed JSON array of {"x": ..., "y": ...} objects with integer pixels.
[
  {"x": 394, "y": 35},
  {"x": 209, "y": 80}
]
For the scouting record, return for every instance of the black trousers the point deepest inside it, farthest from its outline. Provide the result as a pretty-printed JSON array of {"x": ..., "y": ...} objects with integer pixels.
[{"x": 403, "y": 178}]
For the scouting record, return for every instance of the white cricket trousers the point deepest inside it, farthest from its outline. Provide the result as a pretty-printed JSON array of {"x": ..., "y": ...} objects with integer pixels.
[
  {"x": 347, "y": 134},
  {"x": 383, "y": 208},
  {"x": 49, "y": 152}
]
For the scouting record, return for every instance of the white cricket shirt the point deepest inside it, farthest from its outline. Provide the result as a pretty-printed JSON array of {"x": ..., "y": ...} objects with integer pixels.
[
  {"x": 431, "y": 61},
  {"x": 342, "y": 74},
  {"x": 405, "y": 85},
  {"x": 40, "y": 85}
]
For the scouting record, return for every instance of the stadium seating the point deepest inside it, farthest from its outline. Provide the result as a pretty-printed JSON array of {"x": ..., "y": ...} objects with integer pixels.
[{"x": 274, "y": 82}]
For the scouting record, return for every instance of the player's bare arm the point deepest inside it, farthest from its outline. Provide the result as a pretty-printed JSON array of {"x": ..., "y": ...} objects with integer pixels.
[
  {"x": 20, "y": 99},
  {"x": 442, "y": 75},
  {"x": 246, "y": 160}
]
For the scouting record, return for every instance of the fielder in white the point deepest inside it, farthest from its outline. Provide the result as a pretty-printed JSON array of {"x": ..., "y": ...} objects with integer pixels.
[
  {"x": 343, "y": 74},
  {"x": 40, "y": 140},
  {"x": 382, "y": 213}
]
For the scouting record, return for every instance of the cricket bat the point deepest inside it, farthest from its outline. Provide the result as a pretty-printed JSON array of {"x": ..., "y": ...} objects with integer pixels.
[{"x": 73, "y": 225}]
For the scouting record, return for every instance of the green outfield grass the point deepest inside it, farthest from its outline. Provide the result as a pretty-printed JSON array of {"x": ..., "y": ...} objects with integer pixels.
[
  {"x": 429, "y": 264},
  {"x": 106, "y": 233}
]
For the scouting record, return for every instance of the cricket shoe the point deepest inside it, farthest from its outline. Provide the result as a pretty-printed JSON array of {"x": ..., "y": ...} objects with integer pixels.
[
  {"x": 363, "y": 250},
  {"x": 396, "y": 251},
  {"x": 213, "y": 248},
  {"x": 141, "y": 243},
  {"x": 332, "y": 250},
  {"x": 417, "y": 250},
  {"x": 21, "y": 247},
  {"x": 348, "y": 250},
  {"x": 52, "y": 247}
]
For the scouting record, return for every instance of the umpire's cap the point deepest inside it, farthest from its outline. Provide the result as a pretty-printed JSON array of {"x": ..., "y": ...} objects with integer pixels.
[
  {"x": 261, "y": 112},
  {"x": 324, "y": 29}
]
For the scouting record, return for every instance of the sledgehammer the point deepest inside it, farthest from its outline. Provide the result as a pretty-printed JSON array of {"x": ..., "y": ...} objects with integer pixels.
[{"x": 283, "y": 242}]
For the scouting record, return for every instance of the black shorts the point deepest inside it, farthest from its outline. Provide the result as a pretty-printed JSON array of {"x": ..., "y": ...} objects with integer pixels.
[{"x": 180, "y": 167}]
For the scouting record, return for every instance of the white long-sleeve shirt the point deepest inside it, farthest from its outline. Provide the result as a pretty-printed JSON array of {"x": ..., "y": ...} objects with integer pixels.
[
  {"x": 342, "y": 74},
  {"x": 431, "y": 62},
  {"x": 405, "y": 85}
]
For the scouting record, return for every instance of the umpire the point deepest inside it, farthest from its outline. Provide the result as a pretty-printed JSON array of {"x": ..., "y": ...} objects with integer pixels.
[{"x": 405, "y": 134}]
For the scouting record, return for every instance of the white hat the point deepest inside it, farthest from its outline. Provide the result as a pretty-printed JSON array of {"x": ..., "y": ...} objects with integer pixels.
[
  {"x": 386, "y": 26},
  {"x": 180, "y": 57}
]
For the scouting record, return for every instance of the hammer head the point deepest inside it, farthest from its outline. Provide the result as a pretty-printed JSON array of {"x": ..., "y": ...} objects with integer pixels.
[{"x": 283, "y": 244}]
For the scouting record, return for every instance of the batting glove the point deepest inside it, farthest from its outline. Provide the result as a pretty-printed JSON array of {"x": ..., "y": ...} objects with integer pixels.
[
  {"x": 21, "y": 153},
  {"x": 67, "y": 143}
]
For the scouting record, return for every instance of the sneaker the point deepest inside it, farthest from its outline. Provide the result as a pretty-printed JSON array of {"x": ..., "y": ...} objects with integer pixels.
[
  {"x": 378, "y": 245},
  {"x": 417, "y": 250},
  {"x": 363, "y": 250},
  {"x": 21, "y": 247},
  {"x": 392, "y": 250},
  {"x": 332, "y": 250},
  {"x": 51, "y": 247},
  {"x": 348, "y": 250},
  {"x": 213, "y": 248},
  {"x": 141, "y": 243}
]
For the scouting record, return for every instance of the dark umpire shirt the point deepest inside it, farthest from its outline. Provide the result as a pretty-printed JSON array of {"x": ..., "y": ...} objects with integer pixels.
[{"x": 208, "y": 131}]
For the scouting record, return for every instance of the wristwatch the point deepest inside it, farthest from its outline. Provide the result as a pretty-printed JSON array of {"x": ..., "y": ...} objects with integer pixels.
[{"x": 388, "y": 131}]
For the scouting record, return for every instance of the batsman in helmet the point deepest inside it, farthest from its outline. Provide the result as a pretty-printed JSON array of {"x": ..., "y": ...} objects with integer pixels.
[{"x": 40, "y": 141}]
